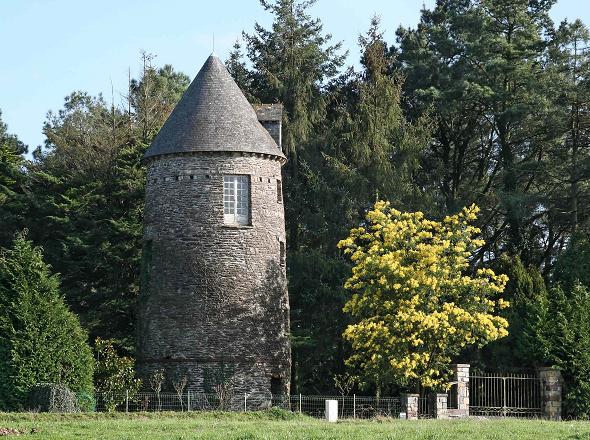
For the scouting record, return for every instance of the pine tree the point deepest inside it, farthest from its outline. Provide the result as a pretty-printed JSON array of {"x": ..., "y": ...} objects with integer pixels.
[
  {"x": 569, "y": 169},
  {"x": 482, "y": 65},
  {"x": 291, "y": 63},
  {"x": 236, "y": 66}
]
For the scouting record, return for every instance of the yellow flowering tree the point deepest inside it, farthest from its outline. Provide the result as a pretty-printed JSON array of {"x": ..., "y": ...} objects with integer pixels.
[{"x": 415, "y": 300}]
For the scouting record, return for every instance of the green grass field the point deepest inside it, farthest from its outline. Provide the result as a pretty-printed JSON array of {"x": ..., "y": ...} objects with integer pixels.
[{"x": 276, "y": 425}]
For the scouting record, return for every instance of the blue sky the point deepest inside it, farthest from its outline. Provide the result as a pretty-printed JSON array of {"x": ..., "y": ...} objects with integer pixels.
[{"x": 53, "y": 47}]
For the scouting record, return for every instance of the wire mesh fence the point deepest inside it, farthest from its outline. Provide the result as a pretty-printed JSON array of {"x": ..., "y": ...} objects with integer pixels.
[{"x": 361, "y": 407}]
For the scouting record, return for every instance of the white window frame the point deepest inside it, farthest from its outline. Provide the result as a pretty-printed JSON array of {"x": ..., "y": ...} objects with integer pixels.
[{"x": 236, "y": 199}]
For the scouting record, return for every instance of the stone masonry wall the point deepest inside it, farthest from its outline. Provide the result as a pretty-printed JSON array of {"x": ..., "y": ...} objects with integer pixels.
[
  {"x": 461, "y": 377},
  {"x": 271, "y": 117},
  {"x": 214, "y": 297}
]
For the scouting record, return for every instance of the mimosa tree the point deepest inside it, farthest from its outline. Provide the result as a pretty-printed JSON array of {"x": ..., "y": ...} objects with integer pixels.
[{"x": 416, "y": 301}]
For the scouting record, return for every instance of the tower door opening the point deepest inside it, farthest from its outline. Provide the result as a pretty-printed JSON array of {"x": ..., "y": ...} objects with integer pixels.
[{"x": 276, "y": 385}]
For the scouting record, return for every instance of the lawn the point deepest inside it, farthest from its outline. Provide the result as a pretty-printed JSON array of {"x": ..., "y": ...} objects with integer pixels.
[{"x": 276, "y": 425}]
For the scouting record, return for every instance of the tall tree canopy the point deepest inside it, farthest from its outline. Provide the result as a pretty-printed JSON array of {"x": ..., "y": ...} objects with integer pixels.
[{"x": 13, "y": 183}]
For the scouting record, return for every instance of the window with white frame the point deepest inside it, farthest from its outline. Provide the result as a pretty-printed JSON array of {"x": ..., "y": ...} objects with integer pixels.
[{"x": 236, "y": 199}]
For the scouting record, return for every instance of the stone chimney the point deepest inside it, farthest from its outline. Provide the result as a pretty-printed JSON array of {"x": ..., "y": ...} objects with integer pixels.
[{"x": 271, "y": 116}]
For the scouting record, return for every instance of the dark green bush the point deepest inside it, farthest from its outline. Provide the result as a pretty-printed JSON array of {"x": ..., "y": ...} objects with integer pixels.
[
  {"x": 86, "y": 401},
  {"x": 41, "y": 340}
]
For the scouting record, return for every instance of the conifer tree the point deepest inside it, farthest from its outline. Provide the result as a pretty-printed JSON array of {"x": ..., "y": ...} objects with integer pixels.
[
  {"x": 527, "y": 294},
  {"x": 40, "y": 339},
  {"x": 482, "y": 65},
  {"x": 564, "y": 341},
  {"x": 13, "y": 184}
]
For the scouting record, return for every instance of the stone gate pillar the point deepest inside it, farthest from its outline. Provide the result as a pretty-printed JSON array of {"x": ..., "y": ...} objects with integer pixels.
[
  {"x": 551, "y": 389},
  {"x": 461, "y": 377},
  {"x": 410, "y": 405},
  {"x": 438, "y": 402}
]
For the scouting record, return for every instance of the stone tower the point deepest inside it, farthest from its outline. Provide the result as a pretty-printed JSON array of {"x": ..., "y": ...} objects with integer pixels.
[{"x": 214, "y": 304}]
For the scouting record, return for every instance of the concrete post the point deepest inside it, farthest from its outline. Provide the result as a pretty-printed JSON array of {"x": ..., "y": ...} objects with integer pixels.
[
  {"x": 551, "y": 386},
  {"x": 438, "y": 402},
  {"x": 410, "y": 405},
  {"x": 332, "y": 410},
  {"x": 461, "y": 377}
]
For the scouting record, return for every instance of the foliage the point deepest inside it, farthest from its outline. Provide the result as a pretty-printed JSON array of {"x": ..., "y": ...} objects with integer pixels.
[
  {"x": 485, "y": 69},
  {"x": 414, "y": 303},
  {"x": 573, "y": 265},
  {"x": 565, "y": 342},
  {"x": 156, "y": 381},
  {"x": 527, "y": 294},
  {"x": 114, "y": 375},
  {"x": 483, "y": 102},
  {"x": 292, "y": 61},
  {"x": 13, "y": 184},
  {"x": 40, "y": 339}
]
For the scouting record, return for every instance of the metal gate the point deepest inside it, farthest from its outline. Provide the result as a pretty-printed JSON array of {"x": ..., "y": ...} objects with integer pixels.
[{"x": 513, "y": 395}]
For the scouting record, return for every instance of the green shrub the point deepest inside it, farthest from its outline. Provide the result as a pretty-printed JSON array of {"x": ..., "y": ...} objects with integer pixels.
[
  {"x": 41, "y": 340},
  {"x": 86, "y": 401},
  {"x": 114, "y": 375}
]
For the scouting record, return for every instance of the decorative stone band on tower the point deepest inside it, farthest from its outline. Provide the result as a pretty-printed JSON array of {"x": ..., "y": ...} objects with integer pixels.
[{"x": 214, "y": 305}]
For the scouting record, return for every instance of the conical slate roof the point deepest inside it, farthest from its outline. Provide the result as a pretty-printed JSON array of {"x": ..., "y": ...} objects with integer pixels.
[{"x": 213, "y": 115}]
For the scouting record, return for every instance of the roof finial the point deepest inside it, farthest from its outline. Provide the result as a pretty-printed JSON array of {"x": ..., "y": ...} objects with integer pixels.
[{"x": 213, "y": 53}]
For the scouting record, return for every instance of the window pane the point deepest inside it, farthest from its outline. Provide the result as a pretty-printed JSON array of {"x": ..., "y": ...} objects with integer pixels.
[
  {"x": 228, "y": 195},
  {"x": 236, "y": 199}
]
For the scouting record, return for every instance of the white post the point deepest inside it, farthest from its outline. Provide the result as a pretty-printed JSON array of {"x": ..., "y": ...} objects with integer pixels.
[
  {"x": 299, "y": 403},
  {"x": 245, "y": 402},
  {"x": 354, "y": 406},
  {"x": 332, "y": 410}
]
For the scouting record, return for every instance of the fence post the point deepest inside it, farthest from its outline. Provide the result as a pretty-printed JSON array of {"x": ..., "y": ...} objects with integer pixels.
[
  {"x": 126, "y": 401},
  {"x": 504, "y": 406},
  {"x": 551, "y": 386},
  {"x": 410, "y": 406},
  {"x": 461, "y": 376},
  {"x": 299, "y": 403},
  {"x": 188, "y": 401},
  {"x": 245, "y": 402},
  {"x": 354, "y": 406}
]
